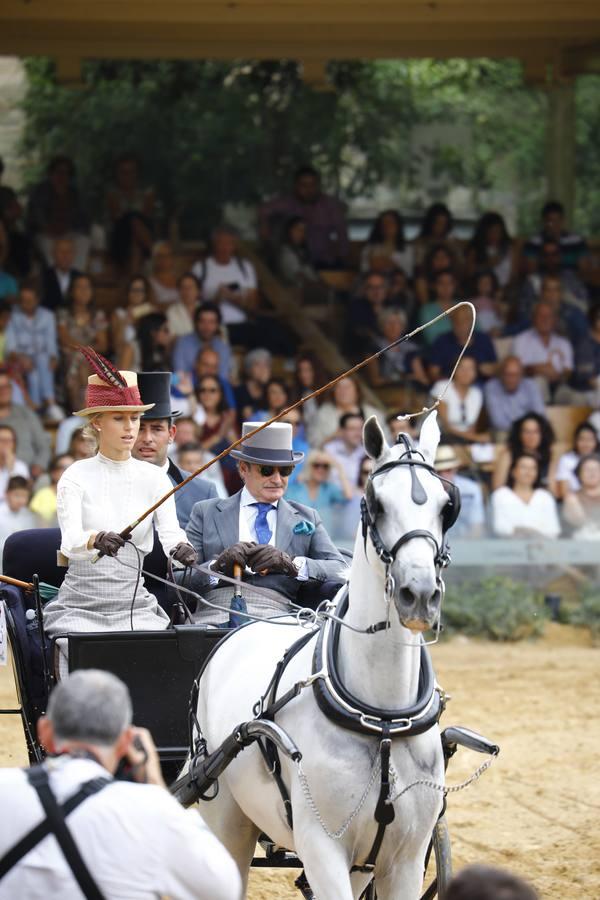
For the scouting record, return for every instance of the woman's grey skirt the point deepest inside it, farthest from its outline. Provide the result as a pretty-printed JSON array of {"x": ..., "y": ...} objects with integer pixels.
[{"x": 100, "y": 597}]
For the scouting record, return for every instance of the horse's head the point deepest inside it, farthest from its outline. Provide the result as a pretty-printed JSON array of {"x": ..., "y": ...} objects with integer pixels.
[{"x": 407, "y": 509}]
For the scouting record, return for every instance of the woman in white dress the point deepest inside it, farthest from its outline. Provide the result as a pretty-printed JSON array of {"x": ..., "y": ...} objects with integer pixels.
[
  {"x": 522, "y": 508},
  {"x": 96, "y": 499},
  {"x": 460, "y": 410}
]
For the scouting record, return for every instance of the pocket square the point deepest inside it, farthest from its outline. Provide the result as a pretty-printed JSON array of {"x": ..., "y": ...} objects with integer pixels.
[{"x": 304, "y": 527}]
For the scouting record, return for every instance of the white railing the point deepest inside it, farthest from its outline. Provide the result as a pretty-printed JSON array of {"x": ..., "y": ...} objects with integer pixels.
[{"x": 500, "y": 552}]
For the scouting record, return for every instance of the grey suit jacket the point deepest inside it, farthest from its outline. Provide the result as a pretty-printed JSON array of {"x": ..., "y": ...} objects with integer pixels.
[
  {"x": 214, "y": 526},
  {"x": 192, "y": 493}
]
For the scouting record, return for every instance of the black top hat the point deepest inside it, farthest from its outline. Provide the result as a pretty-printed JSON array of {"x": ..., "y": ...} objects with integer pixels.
[{"x": 157, "y": 386}]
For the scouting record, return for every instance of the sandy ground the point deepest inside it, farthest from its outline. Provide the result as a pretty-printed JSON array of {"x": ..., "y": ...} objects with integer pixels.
[{"x": 537, "y": 810}]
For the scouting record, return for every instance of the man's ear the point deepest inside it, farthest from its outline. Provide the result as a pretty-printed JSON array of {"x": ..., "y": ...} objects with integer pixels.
[
  {"x": 124, "y": 742},
  {"x": 172, "y": 433},
  {"x": 45, "y": 733}
]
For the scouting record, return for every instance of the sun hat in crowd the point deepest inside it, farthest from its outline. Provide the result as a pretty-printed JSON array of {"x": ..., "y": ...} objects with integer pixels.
[{"x": 446, "y": 458}]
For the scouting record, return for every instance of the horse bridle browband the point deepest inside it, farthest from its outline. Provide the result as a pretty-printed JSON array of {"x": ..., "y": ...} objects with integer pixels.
[{"x": 368, "y": 508}]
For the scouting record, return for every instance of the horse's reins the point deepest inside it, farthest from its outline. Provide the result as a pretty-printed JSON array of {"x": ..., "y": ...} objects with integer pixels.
[{"x": 126, "y": 532}]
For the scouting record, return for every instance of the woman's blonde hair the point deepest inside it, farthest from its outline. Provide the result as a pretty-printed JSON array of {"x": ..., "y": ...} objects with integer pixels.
[
  {"x": 312, "y": 457},
  {"x": 90, "y": 432}
]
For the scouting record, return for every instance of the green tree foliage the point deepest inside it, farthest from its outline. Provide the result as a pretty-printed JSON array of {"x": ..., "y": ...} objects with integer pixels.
[{"x": 210, "y": 132}]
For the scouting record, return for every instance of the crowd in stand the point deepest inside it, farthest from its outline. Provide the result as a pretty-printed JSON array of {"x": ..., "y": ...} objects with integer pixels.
[{"x": 536, "y": 346}]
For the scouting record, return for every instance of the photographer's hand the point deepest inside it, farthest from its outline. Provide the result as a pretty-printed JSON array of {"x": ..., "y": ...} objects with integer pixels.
[{"x": 143, "y": 758}]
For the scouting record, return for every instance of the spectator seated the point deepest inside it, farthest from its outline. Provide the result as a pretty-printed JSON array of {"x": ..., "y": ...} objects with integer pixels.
[
  {"x": 582, "y": 507},
  {"x": 522, "y": 508}
]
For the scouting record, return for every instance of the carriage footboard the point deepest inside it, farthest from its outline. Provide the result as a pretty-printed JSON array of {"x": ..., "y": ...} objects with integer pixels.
[{"x": 203, "y": 771}]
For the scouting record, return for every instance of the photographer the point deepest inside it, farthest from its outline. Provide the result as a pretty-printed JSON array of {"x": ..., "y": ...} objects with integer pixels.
[{"x": 73, "y": 821}]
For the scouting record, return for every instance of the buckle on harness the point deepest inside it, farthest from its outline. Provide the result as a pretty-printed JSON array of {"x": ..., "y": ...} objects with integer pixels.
[
  {"x": 312, "y": 678},
  {"x": 374, "y": 723}
]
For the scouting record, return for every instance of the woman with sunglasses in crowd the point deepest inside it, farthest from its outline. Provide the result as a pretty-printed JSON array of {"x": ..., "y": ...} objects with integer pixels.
[
  {"x": 216, "y": 422},
  {"x": 314, "y": 487}
]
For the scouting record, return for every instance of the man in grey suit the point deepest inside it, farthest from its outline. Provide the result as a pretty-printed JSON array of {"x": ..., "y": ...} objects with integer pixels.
[
  {"x": 157, "y": 432},
  {"x": 281, "y": 543}
]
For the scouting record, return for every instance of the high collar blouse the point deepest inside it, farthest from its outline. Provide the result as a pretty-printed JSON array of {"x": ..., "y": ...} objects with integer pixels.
[{"x": 102, "y": 494}]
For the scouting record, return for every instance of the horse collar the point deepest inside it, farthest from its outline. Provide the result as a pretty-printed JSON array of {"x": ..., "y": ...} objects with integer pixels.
[{"x": 339, "y": 705}]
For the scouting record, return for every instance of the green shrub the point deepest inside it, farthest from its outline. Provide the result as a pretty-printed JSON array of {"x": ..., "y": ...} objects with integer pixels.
[
  {"x": 588, "y": 611},
  {"x": 497, "y": 608}
]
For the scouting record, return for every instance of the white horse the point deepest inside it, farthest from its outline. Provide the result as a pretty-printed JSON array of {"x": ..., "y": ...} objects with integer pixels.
[{"x": 381, "y": 669}]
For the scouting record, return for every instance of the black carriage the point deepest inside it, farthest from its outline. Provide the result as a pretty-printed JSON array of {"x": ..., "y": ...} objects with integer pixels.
[{"x": 159, "y": 669}]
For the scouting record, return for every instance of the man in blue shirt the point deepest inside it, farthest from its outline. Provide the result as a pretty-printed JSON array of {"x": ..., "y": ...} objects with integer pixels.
[
  {"x": 207, "y": 325},
  {"x": 31, "y": 345},
  {"x": 445, "y": 349},
  {"x": 510, "y": 396}
]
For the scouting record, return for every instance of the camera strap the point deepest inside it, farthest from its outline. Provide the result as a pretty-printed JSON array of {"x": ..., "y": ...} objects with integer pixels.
[{"x": 55, "y": 823}]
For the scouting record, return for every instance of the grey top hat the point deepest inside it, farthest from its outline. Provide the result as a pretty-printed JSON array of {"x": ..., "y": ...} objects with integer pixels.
[{"x": 270, "y": 447}]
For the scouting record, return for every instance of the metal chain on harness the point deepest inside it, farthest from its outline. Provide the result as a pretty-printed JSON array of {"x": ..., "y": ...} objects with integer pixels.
[
  {"x": 337, "y": 835},
  {"x": 444, "y": 789}
]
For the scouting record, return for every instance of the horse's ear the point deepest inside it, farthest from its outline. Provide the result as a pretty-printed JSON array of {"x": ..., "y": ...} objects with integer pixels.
[
  {"x": 374, "y": 438},
  {"x": 429, "y": 437}
]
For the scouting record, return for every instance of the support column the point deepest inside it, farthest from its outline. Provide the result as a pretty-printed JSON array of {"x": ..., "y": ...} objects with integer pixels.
[{"x": 560, "y": 148}]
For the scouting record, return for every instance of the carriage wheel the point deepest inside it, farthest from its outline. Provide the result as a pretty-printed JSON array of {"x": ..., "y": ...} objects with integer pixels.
[{"x": 438, "y": 865}]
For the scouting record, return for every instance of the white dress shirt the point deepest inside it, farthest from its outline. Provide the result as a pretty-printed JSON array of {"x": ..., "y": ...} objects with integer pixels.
[
  {"x": 136, "y": 840},
  {"x": 64, "y": 280},
  {"x": 533, "y": 351},
  {"x": 101, "y": 494},
  {"x": 249, "y": 515}
]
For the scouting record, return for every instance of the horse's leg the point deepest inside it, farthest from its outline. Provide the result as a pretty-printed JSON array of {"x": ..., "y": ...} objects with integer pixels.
[
  {"x": 403, "y": 881},
  {"x": 359, "y": 881},
  {"x": 235, "y": 831},
  {"x": 325, "y": 864}
]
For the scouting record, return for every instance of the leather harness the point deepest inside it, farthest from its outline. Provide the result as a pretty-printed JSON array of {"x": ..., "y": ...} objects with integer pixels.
[
  {"x": 333, "y": 699},
  {"x": 55, "y": 823}
]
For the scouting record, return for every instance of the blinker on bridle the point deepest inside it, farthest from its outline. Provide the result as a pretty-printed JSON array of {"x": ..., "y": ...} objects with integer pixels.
[{"x": 369, "y": 508}]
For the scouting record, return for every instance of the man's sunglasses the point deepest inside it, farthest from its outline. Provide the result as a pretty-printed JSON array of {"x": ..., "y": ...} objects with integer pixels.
[{"x": 284, "y": 471}]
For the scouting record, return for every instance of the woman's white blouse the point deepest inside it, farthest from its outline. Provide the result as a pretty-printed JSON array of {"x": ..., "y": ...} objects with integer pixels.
[
  {"x": 510, "y": 512},
  {"x": 565, "y": 470},
  {"x": 101, "y": 494},
  {"x": 462, "y": 412}
]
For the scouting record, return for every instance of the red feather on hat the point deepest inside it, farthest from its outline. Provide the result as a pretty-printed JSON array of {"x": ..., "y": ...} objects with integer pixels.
[{"x": 103, "y": 368}]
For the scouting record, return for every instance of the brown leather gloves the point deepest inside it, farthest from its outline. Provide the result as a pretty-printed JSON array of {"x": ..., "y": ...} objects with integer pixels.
[
  {"x": 237, "y": 554},
  {"x": 262, "y": 558},
  {"x": 108, "y": 542},
  {"x": 184, "y": 553},
  {"x": 269, "y": 560}
]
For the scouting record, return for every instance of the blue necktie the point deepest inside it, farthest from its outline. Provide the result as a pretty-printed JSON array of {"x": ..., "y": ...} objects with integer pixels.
[{"x": 261, "y": 526}]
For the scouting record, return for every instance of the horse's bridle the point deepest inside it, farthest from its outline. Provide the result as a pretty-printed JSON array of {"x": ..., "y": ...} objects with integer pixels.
[{"x": 368, "y": 509}]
